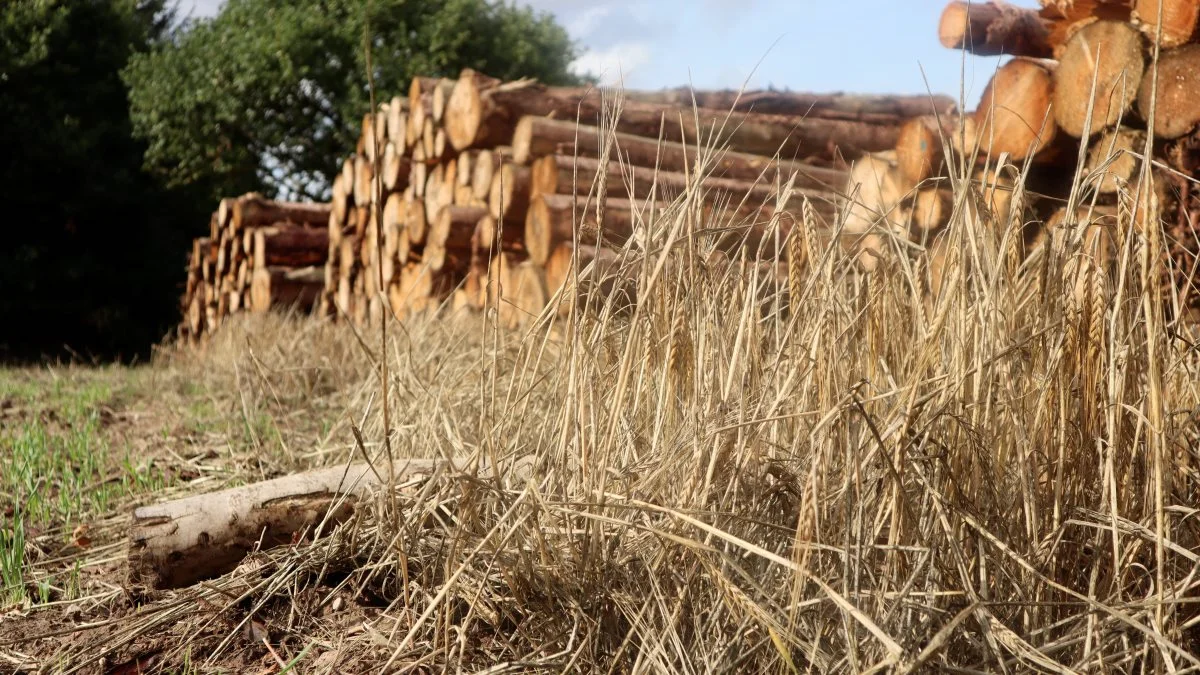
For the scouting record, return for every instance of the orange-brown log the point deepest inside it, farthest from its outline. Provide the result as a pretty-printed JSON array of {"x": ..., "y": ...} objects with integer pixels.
[
  {"x": 508, "y": 197},
  {"x": 368, "y": 137},
  {"x": 418, "y": 177},
  {"x": 419, "y": 104},
  {"x": 563, "y": 174},
  {"x": 290, "y": 246},
  {"x": 920, "y": 149},
  {"x": 1067, "y": 17},
  {"x": 994, "y": 28},
  {"x": 490, "y": 118},
  {"x": 1178, "y": 20},
  {"x": 551, "y": 220},
  {"x": 452, "y": 230},
  {"x": 255, "y": 211},
  {"x": 1177, "y": 108},
  {"x": 931, "y": 209},
  {"x": 489, "y": 230},
  {"x": 1101, "y": 70},
  {"x": 428, "y": 136},
  {"x": 340, "y": 200},
  {"x": 539, "y": 136},
  {"x": 1014, "y": 115},
  {"x": 286, "y": 287},
  {"x": 604, "y": 277}
]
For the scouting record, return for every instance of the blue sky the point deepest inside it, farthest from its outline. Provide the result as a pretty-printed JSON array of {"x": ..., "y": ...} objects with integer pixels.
[{"x": 857, "y": 46}]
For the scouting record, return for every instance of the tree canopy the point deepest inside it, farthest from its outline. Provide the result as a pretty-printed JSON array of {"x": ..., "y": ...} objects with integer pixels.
[
  {"x": 268, "y": 95},
  {"x": 93, "y": 248}
]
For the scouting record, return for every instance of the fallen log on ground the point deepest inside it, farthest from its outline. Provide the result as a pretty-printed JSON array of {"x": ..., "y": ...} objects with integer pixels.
[{"x": 181, "y": 542}]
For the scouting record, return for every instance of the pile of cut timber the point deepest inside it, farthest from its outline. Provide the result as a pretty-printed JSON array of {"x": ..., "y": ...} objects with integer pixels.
[
  {"x": 259, "y": 254},
  {"x": 472, "y": 191},
  {"x": 1082, "y": 85}
]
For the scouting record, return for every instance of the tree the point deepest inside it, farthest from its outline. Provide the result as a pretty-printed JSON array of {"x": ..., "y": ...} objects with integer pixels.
[
  {"x": 93, "y": 246},
  {"x": 269, "y": 95}
]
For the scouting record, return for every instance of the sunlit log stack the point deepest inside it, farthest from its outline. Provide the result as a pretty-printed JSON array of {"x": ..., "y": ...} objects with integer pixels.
[
  {"x": 1081, "y": 87},
  {"x": 472, "y": 191},
  {"x": 259, "y": 255}
]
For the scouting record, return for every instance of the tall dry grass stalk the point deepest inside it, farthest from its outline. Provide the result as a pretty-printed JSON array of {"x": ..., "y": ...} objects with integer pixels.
[{"x": 819, "y": 473}]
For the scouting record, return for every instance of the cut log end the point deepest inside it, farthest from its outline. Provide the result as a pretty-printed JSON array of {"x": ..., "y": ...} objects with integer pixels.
[{"x": 1101, "y": 70}]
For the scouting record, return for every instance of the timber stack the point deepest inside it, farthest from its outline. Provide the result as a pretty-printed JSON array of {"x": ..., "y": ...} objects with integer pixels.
[
  {"x": 1080, "y": 98},
  {"x": 259, "y": 255},
  {"x": 474, "y": 193}
]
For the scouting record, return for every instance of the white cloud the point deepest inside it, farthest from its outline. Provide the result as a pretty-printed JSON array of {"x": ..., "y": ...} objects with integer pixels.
[{"x": 615, "y": 63}]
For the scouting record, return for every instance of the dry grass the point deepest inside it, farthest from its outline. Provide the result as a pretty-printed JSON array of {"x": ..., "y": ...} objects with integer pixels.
[{"x": 832, "y": 474}]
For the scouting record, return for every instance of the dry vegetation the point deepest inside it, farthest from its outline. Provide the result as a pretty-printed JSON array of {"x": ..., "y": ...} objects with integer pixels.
[{"x": 840, "y": 473}]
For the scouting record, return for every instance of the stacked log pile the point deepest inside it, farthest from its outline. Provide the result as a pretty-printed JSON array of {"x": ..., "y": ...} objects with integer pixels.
[
  {"x": 473, "y": 192},
  {"x": 1081, "y": 93},
  {"x": 259, "y": 255}
]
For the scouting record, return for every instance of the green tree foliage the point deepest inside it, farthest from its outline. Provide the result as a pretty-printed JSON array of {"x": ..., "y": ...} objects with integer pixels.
[
  {"x": 269, "y": 94},
  {"x": 93, "y": 246}
]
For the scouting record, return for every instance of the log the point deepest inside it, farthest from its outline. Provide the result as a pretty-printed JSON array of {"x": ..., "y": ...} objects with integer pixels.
[
  {"x": 1071, "y": 16},
  {"x": 339, "y": 202},
  {"x": 1108, "y": 53},
  {"x": 286, "y": 287},
  {"x": 255, "y": 211},
  {"x": 397, "y": 127},
  {"x": 551, "y": 221},
  {"x": 920, "y": 153},
  {"x": 1178, "y": 107},
  {"x": 396, "y": 168},
  {"x": 415, "y": 221},
  {"x": 1014, "y": 114},
  {"x": 489, "y": 231},
  {"x": 539, "y": 136},
  {"x": 487, "y": 162},
  {"x": 563, "y": 174},
  {"x": 875, "y": 197},
  {"x": 994, "y": 28},
  {"x": 508, "y": 198},
  {"x": 291, "y": 246},
  {"x": 1114, "y": 156},
  {"x": 419, "y": 92},
  {"x": 931, "y": 209},
  {"x": 395, "y": 213},
  {"x": 1178, "y": 20},
  {"x": 452, "y": 230},
  {"x": 493, "y": 117},
  {"x": 603, "y": 276},
  {"x": 829, "y": 106},
  {"x": 179, "y": 543},
  {"x": 223, "y": 217},
  {"x": 364, "y": 174},
  {"x": 439, "y": 191}
]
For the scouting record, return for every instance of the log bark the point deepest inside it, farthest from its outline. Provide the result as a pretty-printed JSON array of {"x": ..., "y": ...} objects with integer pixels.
[
  {"x": 508, "y": 197},
  {"x": 994, "y": 28},
  {"x": 178, "y": 543},
  {"x": 551, "y": 220},
  {"x": 828, "y": 106},
  {"x": 1178, "y": 20},
  {"x": 1108, "y": 53},
  {"x": 1177, "y": 111},
  {"x": 291, "y": 246},
  {"x": 255, "y": 211},
  {"x": 563, "y": 174},
  {"x": 1115, "y": 156},
  {"x": 499, "y": 110},
  {"x": 286, "y": 288},
  {"x": 1014, "y": 114},
  {"x": 539, "y": 136}
]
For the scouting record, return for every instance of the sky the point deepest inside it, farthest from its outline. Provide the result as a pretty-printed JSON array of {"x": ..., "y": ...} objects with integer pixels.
[{"x": 853, "y": 46}]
